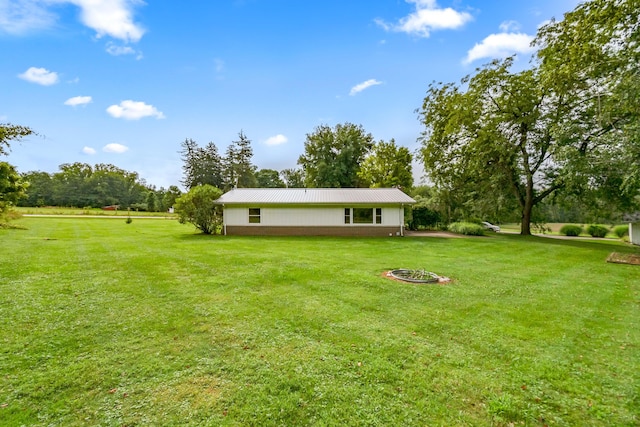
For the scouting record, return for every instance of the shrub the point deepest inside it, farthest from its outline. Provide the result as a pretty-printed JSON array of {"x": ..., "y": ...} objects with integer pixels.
[
  {"x": 621, "y": 230},
  {"x": 467, "y": 228},
  {"x": 424, "y": 217},
  {"x": 571, "y": 230},
  {"x": 199, "y": 207},
  {"x": 597, "y": 230}
]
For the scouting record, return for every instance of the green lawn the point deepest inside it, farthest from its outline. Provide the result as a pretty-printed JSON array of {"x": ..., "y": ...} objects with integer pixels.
[{"x": 148, "y": 323}]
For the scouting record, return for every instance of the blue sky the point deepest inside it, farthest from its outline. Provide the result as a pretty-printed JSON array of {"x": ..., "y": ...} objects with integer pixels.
[{"x": 126, "y": 81}]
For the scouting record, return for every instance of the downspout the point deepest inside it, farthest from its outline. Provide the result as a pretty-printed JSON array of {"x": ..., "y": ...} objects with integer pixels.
[
  {"x": 224, "y": 221},
  {"x": 401, "y": 219}
]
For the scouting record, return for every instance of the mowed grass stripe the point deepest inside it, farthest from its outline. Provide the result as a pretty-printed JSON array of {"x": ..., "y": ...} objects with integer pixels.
[{"x": 148, "y": 323}]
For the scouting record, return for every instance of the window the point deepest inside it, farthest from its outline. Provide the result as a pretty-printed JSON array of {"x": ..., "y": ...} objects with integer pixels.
[
  {"x": 254, "y": 215},
  {"x": 362, "y": 216}
]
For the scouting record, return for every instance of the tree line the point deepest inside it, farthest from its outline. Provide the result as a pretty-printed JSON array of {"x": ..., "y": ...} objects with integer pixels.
[
  {"x": 83, "y": 185},
  {"x": 342, "y": 156}
]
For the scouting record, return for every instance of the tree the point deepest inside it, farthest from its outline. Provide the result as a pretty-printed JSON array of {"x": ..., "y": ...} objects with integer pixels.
[
  {"x": 198, "y": 207},
  {"x": 269, "y": 178},
  {"x": 293, "y": 178},
  {"x": 332, "y": 157},
  {"x": 170, "y": 196},
  {"x": 590, "y": 59},
  {"x": 239, "y": 171},
  {"x": 202, "y": 165},
  {"x": 40, "y": 191},
  {"x": 387, "y": 166},
  {"x": 9, "y": 132},
  {"x": 497, "y": 135},
  {"x": 12, "y": 188}
]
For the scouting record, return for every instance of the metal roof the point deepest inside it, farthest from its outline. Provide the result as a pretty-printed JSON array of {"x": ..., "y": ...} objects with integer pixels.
[{"x": 315, "y": 196}]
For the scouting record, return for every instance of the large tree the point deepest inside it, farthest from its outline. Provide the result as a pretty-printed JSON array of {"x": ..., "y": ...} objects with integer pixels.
[
  {"x": 239, "y": 170},
  {"x": 202, "y": 165},
  {"x": 332, "y": 157},
  {"x": 387, "y": 165},
  {"x": 591, "y": 60},
  {"x": 493, "y": 132}
]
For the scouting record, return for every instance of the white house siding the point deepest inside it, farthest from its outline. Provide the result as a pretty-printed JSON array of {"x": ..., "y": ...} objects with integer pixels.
[
  {"x": 634, "y": 233},
  {"x": 301, "y": 216}
]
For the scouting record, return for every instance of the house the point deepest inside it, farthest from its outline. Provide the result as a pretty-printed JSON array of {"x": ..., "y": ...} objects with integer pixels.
[{"x": 314, "y": 211}]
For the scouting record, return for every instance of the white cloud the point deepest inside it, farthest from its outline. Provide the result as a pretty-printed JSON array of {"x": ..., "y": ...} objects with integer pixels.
[
  {"x": 134, "y": 110},
  {"x": 115, "y": 148},
  {"x": 21, "y": 16},
  {"x": 78, "y": 100},
  {"x": 41, "y": 76},
  {"x": 113, "y": 18},
  {"x": 500, "y": 46},
  {"x": 276, "y": 140},
  {"x": 115, "y": 50},
  {"x": 364, "y": 85},
  {"x": 427, "y": 17},
  {"x": 509, "y": 26},
  {"x": 88, "y": 150}
]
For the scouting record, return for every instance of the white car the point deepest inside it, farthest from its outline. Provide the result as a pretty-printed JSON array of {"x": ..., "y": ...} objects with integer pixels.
[{"x": 490, "y": 226}]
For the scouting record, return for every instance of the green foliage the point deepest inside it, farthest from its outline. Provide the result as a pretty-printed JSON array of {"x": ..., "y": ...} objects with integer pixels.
[
  {"x": 621, "y": 230},
  {"x": 293, "y": 178},
  {"x": 467, "y": 228},
  {"x": 332, "y": 157},
  {"x": 198, "y": 207},
  {"x": 81, "y": 185},
  {"x": 590, "y": 59},
  {"x": 9, "y": 132},
  {"x": 201, "y": 165},
  {"x": 239, "y": 171},
  {"x": 570, "y": 124},
  {"x": 269, "y": 178},
  {"x": 571, "y": 230},
  {"x": 12, "y": 189},
  {"x": 597, "y": 230},
  {"x": 386, "y": 166},
  {"x": 423, "y": 217},
  {"x": 12, "y": 186}
]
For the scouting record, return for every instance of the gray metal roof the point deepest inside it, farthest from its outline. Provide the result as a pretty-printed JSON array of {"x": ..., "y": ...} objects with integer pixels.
[{"x": 315, "y": 196}]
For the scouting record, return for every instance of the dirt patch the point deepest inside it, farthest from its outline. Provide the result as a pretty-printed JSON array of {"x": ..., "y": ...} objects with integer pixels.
[
  {"x": 620, "y": 258},
  {"x": 441, "y": 280}
]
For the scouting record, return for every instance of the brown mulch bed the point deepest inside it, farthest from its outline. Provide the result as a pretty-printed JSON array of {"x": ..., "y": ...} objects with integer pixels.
[{"x": 620, "y": 258}]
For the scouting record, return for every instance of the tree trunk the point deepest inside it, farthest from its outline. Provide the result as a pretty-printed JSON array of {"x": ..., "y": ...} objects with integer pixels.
[{"x": 525, "y": 223}]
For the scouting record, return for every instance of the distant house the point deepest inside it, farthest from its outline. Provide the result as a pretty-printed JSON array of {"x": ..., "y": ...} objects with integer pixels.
[{"x": 314, "y": 211}]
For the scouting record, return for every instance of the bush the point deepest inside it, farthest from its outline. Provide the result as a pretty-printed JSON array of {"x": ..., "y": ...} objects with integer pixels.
[
  {"x": 621, "y": 231},
  {"x": 571, "y": 230},
  {"x": 597, "y": 230},
  {"x": 199, "y": 207},
  {"x": 423, "y": 217},
  {"x": 467, "y": 228}
]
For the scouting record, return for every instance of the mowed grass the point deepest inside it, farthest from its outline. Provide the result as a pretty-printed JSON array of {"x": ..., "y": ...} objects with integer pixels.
[{"x": 148, "y": 323}]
